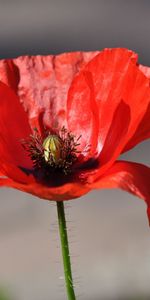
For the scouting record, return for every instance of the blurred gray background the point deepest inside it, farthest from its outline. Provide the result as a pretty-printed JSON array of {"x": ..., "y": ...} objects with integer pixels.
[{"x": 109, "y": 233}]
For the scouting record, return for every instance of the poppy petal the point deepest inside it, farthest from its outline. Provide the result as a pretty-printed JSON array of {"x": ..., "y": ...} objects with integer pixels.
[
  {"x": 13, "y": 128},
  {"x": 8, "y": 169},
  {"x": 4, "y": 182},
  {"x": 129, "y": 176},
  {"x": 110, "y": 72},
  {"x": 9, "y": 73},
  {"x": 66, "y": 192},
  {"x": 44, "y": 83},
  {"x": 143, "y": 130},
  {"x": 116, "y": 78},
  {"x": 83, "y": 121},
  {"x": 117, "y": 131},
  {"x": 145, "y": 70}
]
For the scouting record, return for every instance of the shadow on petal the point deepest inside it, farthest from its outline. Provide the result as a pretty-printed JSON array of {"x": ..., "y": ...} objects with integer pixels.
[{"x": 116, "y": 134}]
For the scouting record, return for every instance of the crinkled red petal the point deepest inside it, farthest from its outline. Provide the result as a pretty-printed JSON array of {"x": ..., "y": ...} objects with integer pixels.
[
  {"x": 13, "y": 128},
  {"x": 131, "y": 177},
  {"x": 44, "y": 83}
]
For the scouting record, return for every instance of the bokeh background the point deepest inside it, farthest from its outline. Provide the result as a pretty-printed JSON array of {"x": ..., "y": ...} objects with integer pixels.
[{"x": 108, "y": 230}]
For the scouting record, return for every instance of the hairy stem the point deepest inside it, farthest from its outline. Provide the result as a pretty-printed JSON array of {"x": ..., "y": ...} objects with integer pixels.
[{"x": 65, "y": 251}]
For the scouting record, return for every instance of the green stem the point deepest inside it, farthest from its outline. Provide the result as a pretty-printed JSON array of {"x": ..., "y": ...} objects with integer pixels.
[{"x": 65, "y": 251}]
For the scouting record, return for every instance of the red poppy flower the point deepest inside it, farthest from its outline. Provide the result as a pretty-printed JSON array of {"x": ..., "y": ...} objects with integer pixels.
[{"x": 65, "y": 119}]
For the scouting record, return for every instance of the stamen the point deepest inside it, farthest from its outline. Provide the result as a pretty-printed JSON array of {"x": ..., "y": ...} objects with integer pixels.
[{"x": 56, "y": 152}]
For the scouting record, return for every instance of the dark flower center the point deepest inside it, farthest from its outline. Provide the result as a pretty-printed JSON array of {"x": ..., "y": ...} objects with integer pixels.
[{"x": 55, "y": 154}]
